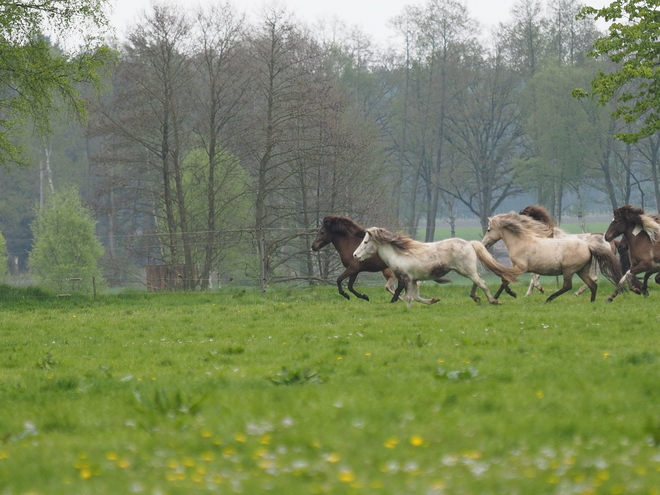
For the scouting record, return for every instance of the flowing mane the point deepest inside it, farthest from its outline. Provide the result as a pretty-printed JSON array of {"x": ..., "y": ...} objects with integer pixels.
[
  {"x": 402, "y": 243},
  {"x": 540, "y": 214},
  {"x": 647, "y": 223},
  {"x": 343, "y": 226},
  {"x": 521, "y": 225}
]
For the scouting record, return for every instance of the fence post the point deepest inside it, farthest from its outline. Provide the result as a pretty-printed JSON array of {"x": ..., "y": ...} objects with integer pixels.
[{"x": 262, "y": 249}]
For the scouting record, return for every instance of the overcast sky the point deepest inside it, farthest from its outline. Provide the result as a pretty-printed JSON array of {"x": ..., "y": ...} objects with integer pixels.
[{"x": 371, "y": 16}]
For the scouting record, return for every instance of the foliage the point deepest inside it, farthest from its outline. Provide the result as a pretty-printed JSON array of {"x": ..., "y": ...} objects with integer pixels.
[
  {"x": 117, "y": 395},
  {"x": 66, "y": 251},
  {"x": 36, "y": 77},
  {"x": 632, "y": 43}
]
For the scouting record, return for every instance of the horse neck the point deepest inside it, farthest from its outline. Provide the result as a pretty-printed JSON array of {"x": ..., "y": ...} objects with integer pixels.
[
  {"x": 346, "y": 244},
  {"x": 514, "y": 242},
  {"x": 389, "y": 255}
]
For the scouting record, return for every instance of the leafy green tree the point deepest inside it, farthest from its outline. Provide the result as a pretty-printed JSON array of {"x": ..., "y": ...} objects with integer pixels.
[
  {"x": 65, "y": 244},
  {"x": 631, "y": 42},
  {"x": 3, "y": 257},
  {"x": 35, "y": 78}
]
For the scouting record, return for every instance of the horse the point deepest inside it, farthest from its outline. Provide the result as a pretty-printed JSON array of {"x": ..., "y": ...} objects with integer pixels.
[
  {"x": 531, "y": 249},
  {"x": 540, "y": 214},
  {"x": 346, "y": 235},
  {"x": 641, "y": 232},
  {"x": 413, "y": 261}
]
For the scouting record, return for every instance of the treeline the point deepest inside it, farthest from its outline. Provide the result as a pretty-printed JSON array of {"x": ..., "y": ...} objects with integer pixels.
[{"x": 222, "y": 143}]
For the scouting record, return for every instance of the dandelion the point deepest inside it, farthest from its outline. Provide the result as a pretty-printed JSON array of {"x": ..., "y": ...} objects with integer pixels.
[
  {"x": 207, "y": 456},
  {"x": 4, "y": 454},
  {"x": 416, "y": 441},
  {"x": 207, "y": 433},
  {"x": 265, "y": 439},
  {"x": 111, "y": 456},
  {"x": 391, "y": 443},
  {"x": 540, "y": 394},
  {"x": 124, "y": 463},
  {"x": 332, "y": 457},
  {"x": 346, "y": 476},
  {"x": 606, "y": 355},
  {"x": 240, "y": 437},
  {"x": 86, "y": 473},
  {"x": 603, "y": 475}
]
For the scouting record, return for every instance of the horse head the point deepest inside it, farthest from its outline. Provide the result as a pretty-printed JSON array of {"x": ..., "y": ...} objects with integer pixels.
[
  {"x": 623, "y": 217},
  {"x": 323, "y": 237},
  {"x": 492, "y": 234},
  {"x": 368, "y": 247},
  {"x": 334, "y": 226}
]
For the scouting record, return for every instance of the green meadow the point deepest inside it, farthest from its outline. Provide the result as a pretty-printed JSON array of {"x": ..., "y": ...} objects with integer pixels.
[{"x": 303, "y": 392}]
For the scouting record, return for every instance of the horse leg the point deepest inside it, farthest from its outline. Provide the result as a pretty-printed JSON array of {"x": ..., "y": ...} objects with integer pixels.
[
  {"x": 391, "y": 278},
  {"x": 628, "y": 276},
  {"x": 645, "y": 284},
  {"x": 593, "y": 275},
  {"x": 477, "y": 280},
  {"x": 502, "y": 288},
  {"x": 568, "y": 285},
  {"x": 397, "y": 293},
  {"x": 351, "y": 281},
  {"x": 589, "y": 283},
  {"x": 534, "y": 283},
  {"x": 340, "y": 279},
  {"x": 412, "y": 293},
  {"x": 473, "y": 293}
]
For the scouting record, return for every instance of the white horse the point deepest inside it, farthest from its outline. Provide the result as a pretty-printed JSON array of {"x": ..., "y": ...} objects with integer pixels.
[
  {"x": 532, "y": 250},
  {"x": 413, "y": 261}
]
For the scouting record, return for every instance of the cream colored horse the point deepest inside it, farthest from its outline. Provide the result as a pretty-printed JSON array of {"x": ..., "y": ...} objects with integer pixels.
[
  {"x": 413, "y": 261},
  {"x": 540, "y": 214},
  {"x": 531, "y": 249}
]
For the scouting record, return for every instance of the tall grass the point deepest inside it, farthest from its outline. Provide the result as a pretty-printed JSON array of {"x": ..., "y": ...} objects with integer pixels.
[{"x": 304, "y": 392}]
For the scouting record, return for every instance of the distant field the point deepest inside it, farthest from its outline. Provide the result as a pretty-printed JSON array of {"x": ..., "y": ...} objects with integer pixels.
[{"x": 303, "y": 392}]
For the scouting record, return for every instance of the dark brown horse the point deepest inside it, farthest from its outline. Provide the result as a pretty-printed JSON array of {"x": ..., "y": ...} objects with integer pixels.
[
  {"x": 346, "y": 235},
  {"x": 642, "y": 234}
]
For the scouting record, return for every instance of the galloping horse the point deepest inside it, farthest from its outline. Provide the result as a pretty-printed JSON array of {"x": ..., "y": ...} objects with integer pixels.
[
  {"x": 346, "y": 235},
  {"x": 642, "y": 234},
  {"x": 413, "y": 261},
  {"x": 531, "y": 249},
  {"x": 540, "y": 214}
]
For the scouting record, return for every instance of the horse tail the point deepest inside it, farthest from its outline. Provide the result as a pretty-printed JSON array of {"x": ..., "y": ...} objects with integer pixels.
[
  {"x": 607, "y": 262},
  {"x": 490, "y": 263}
]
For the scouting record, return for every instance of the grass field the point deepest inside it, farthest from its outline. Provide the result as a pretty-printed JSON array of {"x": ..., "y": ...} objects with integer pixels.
[{"x": 303, "y": 392}]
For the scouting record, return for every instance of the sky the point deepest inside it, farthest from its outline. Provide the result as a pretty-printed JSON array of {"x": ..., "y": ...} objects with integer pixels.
[{"x": 371, "y": 16}]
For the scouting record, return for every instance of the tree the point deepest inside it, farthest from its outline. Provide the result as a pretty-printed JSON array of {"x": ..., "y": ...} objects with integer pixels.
[
  {"x": 631, "y": 42},
  {"x": 486, "y": 131},
  {"x": 66, "y": 251},
  {"x": 220, "y": 86},
  {"x": 35, "y": 77}
]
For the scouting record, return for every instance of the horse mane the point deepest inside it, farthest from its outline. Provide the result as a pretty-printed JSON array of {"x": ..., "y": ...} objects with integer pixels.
[
  {"x": 343, "y": 226},
  {"x": 520, "y": 225},
  {"x": 400, "y": 242},
  {"x": 540, "y": 214},
  {"x": 637, "y": 216}
]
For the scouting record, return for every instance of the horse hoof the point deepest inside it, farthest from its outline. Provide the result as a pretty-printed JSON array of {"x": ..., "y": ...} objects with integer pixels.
[
  {"x": 609, "y": 299},
  {"x": 434, "y": 300},
  {"x": 496, "y": 303},
  {"x": 646, "y": 293},
  {"x": 365, "y": 297}
]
